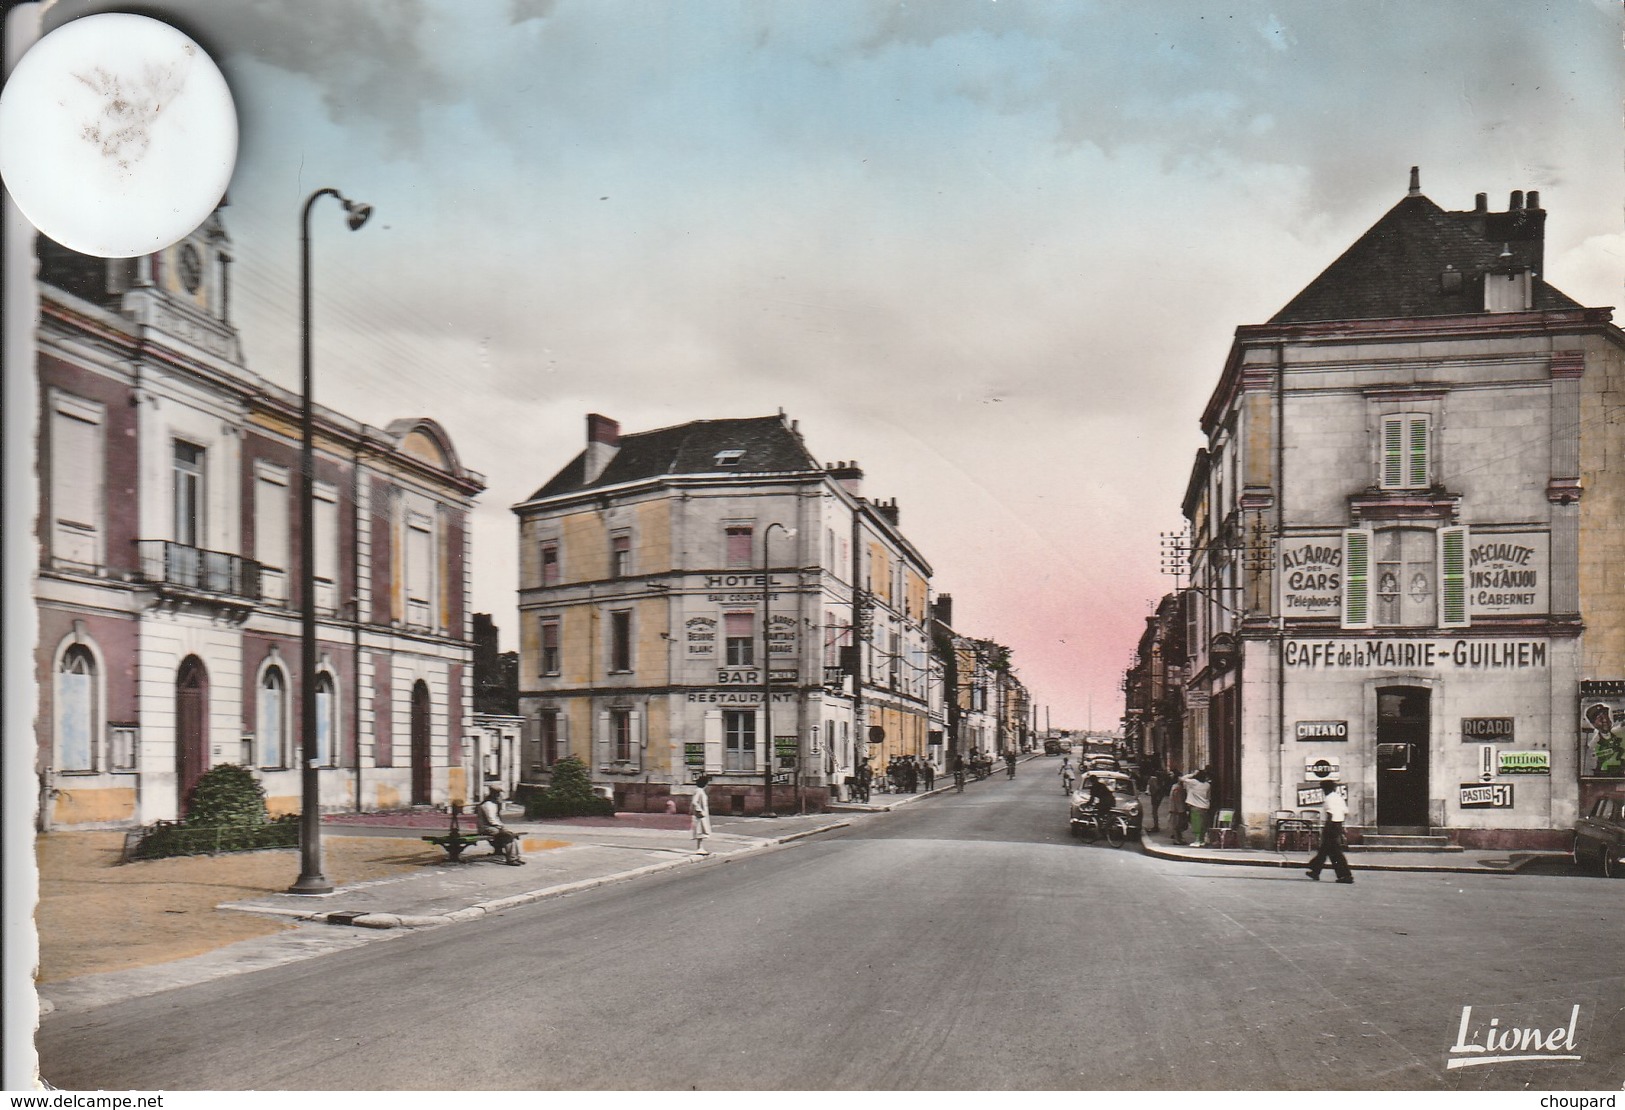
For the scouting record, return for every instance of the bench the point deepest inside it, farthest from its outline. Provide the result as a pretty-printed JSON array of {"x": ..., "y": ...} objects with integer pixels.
[{"x": 455, "y": 841}]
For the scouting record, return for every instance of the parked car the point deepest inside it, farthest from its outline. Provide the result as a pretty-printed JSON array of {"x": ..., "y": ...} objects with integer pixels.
[
  {"x": 1052, "y": 747},
  {"x": 1122, "y": 787},
  {"x": 1101, "y": 763},
  {"x": 1599, "y": 837}
]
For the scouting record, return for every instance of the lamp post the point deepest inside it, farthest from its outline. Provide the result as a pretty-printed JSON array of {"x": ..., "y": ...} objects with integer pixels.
[
  {"x": 768, "y": 750},
  {"x": 311, "y": 880}
]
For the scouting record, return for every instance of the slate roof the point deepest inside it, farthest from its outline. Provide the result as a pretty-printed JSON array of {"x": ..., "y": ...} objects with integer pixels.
[
  {"x": 769, "y": 446},
  {"x": 1393, "y": 270}
]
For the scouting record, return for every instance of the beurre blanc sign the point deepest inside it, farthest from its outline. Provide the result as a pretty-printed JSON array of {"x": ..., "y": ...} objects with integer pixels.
[
  {"x": 1507, "y": 573},
  {"x": 1337, "y": 654}
]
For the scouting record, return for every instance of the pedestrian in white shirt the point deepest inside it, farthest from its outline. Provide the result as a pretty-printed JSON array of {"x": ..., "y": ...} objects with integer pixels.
[
  {"x": 1198, "y": 792},
  {"x": 699, "y": 812},
  {"x": 1331, "y": 836}
]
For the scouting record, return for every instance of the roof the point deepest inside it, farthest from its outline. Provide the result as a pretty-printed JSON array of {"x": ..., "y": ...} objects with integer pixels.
[
  {"x": 1393, "y": 270},
  {"x": 768, "y": 443}
]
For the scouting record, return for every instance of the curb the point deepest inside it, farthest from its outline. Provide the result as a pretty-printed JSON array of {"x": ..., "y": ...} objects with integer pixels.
[
  {"x": 1516, "y": 862},
  {"x": 497, "y": 905}
]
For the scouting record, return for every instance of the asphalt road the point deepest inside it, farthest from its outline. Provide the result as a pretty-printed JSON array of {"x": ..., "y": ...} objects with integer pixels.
[{"x": 963, "y": 942}]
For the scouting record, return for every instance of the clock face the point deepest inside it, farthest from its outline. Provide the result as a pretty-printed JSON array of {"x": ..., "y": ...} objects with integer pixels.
[{"x": 191, "y": 267}]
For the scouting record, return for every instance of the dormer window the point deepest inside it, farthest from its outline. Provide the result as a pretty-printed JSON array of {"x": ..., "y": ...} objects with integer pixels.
[
  {"x": 729, "y": 458},
  {"x": 1508, "y": 292}
]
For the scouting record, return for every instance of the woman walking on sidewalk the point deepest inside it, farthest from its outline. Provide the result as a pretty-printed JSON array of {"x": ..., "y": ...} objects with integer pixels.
[
  {"x": 1177, "y": 813},
  {"x": 699, "y": 811}
]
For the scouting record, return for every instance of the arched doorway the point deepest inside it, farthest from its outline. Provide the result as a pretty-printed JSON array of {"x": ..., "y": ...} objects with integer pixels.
[
  {"x": 1403, "y": 717},
  {"x": 422, "y": 774},
  {"x": 191, "y": 728}
]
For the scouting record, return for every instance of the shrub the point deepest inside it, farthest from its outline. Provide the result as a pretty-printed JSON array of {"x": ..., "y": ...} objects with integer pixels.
[
  {"x": 570, "y": 794},
  {"x": 226, "y": 795},
  {"x": 226, "y": 814}
]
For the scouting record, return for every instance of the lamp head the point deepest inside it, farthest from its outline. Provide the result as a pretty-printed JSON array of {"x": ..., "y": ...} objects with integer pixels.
[{"x": 356, "y": 213}]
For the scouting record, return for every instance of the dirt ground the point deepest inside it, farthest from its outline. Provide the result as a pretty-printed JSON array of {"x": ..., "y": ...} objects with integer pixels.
[{"x": 97, "y": 915}]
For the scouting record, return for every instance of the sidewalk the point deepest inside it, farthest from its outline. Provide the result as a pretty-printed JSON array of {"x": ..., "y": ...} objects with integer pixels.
[
  {"x": 1466, "y": 861},
  {"x": 563, "y": 857}
]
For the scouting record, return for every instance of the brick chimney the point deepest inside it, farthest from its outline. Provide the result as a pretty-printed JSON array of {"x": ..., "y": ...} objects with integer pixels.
[
  {"x": 603, "y": 441},
  {"x": 942, "y": 609},
  {"x": 888, "y": 509},
  {"x": 849, "y": 474}
]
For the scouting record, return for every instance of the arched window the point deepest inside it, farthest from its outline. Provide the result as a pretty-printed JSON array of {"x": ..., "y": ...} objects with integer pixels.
[
  {"x": 326, "y": 703},
  {"x": 273, "y": 718},
  {"x": 76, "y": 711}
]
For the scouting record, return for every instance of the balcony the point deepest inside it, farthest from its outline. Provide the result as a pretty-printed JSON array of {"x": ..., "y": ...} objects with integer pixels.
[{"x": 181, "y": 573}]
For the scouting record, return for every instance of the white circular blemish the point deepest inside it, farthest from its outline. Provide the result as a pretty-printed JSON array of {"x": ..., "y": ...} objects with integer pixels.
[{"x": 118, "y": 135}]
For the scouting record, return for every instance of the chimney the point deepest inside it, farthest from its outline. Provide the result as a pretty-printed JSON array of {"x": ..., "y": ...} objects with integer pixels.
[
  {"x": 1515, "y": 203},
  {"x": 1481, "y": 203},
  {"x": 848, "y": 474},
  {"x": 603, "y": 441},
  {"x": 1533, "y": 200},
  {"x": 1416, "y": 182},
  {"x": 888, "y": 509},
  {"x": 942, "y": 609}
]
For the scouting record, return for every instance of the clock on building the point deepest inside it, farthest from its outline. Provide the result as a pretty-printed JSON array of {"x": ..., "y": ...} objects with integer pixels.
[{"x": 191, "y": 267}]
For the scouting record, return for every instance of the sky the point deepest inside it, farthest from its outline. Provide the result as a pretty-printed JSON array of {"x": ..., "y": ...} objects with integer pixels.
[{"x": 995, "y": 251}]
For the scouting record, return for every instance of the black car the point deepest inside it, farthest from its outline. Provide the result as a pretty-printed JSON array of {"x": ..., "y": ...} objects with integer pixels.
[{"x": 1599, "y": 837}]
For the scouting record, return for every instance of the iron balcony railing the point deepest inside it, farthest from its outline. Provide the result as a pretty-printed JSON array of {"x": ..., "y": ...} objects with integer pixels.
[{"x": 165, "y": 563}]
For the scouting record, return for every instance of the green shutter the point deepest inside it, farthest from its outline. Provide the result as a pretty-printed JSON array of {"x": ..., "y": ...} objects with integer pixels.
[
  {"x": 1393, "y": 451},
  {"x": 1357, "y": 578},
  {"x": 1416, "y": 452},
  {"x": 1453, "y": 578}
]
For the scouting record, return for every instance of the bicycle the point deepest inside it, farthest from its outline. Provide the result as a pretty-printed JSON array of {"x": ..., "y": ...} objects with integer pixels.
[{"x": 1090, "y": 826}]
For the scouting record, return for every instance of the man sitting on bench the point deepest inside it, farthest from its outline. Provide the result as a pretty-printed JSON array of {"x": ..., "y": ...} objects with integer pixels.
[{"x": 503, "y": 841}]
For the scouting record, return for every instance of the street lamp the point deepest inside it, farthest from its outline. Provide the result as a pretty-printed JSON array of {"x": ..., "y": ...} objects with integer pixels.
[
  {"x": 311, "y": 880},
  {"x": 768, "y": 750}
]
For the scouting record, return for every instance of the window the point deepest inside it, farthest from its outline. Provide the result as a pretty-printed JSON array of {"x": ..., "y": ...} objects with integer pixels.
[
  {"x": 729, "y": 458},
  {"x": 620, "y": 640},
  {"x": 550, "y": 563},
  {"x": 620, "y": 734},
  {"x": 325, "y": 538},
  {"x": 550, "y": 738},
  {"x": 124, "y": 745},
  {"x": 1406, "y": 462},
  {"x": 739, "y": 637},
  {"x": 271, "y": 507},
  {"x": 739, "y": 739},
  {"x": 739, "y": 545},
  {"x": 76, "y": 711},
  {"x": 326, "y": 705},
  {"x": 550, "y": 645},
  {"x": 273, "y": 725},
  {"x": 1405, "y": 578},
  {"x": 620, "y": 555},
  {"x": 188, "y": 473},
  {"x": 419, "y": 568},
  {"x": 76, "y": 481}
]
